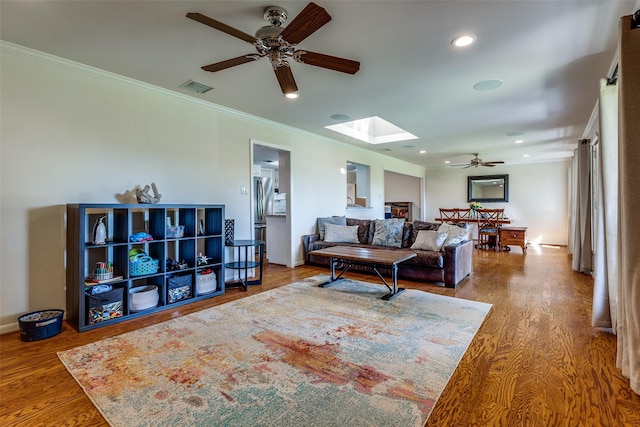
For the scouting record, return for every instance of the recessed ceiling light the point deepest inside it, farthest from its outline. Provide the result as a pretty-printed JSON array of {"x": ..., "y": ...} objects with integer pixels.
[
  {"x": 446, "y": 162},
  {"x": 518, "y": 141},
  {"x": 423, "y": 151},
  {"x": 488, "y": 85},
  {"x": 525, "y": 155},
  {"x": 464, "y": 40},
  {"x": 292, "y": 95},
  {"x": 340, "y": 117}
]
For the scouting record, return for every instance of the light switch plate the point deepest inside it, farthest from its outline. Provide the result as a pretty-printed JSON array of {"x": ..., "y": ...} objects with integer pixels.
[{"x": 243, "y": 190}]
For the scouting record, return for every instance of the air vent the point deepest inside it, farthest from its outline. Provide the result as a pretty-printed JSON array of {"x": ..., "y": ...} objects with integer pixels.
[{"x": 196, "y": 87}]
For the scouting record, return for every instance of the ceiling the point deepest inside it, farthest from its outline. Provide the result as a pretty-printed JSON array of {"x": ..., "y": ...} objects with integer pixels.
[{"x": 549, "y": 54}]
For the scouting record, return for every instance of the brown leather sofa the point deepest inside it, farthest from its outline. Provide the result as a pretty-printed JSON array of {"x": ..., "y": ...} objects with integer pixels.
[{"x": 449, "y": 266}]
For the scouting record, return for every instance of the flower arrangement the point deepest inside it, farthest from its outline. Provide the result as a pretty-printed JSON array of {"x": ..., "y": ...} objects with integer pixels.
[{"x": 475, "y": 205}]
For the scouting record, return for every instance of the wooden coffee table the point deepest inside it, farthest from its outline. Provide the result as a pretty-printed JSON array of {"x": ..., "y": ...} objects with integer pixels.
[{"x": 349, "y": 256}]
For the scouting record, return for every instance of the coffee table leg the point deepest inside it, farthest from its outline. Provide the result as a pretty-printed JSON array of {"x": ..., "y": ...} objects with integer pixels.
[
  {"x": 394, "y": 291},
  {"x": 332, "y": 262}
]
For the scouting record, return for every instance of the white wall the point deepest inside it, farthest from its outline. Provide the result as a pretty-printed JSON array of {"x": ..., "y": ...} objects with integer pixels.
[
  {"x": 538, "y": 196},
  {"x": 73, "y": 134}
]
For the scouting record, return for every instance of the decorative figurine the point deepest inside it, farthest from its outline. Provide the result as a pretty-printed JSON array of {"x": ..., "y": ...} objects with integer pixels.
[
  {"x": 202, "y": 259},
  {"x": 143, "y": 195},
  {"x": 99, "y": 232}
]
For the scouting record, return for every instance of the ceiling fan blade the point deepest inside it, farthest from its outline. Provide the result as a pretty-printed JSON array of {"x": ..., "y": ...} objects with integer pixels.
[
  {"x": 286, "y": 80},
  {"x": 221, "y": 27},
  {"x": 489, "y": 165},
  {"x": 230, "y": 63},
  {"x": 494, "y": 163},
  {"x": 306, "y": 23},
  {"x": 327, "y": 61}
]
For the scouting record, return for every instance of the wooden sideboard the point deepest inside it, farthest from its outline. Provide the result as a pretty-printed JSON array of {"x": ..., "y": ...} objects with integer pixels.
[{"x": 516, "y": 236}]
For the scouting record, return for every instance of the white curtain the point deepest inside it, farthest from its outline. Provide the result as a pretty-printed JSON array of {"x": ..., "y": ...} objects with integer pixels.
[
  {"x": 628, "y": 321},
  {"x": 581, "y": 214},
  {"x": 605, "y": 292}
]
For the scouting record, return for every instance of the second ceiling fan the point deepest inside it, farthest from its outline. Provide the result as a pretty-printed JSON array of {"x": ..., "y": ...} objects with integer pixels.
[
  {"x": 476, "y": 161},
  {"x": 278, "y": 44}
]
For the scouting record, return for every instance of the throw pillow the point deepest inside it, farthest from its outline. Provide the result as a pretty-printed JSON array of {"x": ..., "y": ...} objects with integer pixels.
[
  {"x": 341, "y": 233},
  {"x": 455, "y": 234},
  {"x": 388, "y": 232},
  {"x": 363, "y": 228},
  {"x": 422, "y": 225},
  {"x": 429, "y": 240},
  {"x": 339, "y": 220}
]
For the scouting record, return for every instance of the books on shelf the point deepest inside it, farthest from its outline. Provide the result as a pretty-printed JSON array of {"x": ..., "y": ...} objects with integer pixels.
[{"x": 90, "y": 281}]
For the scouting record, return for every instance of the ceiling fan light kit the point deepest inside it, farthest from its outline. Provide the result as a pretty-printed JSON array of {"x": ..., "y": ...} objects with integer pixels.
[{"x": 278, "y": 44}]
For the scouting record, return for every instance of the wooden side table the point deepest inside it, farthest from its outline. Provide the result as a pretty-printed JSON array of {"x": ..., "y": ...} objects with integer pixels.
[
  {"x": 243, "y": 266},
  {"x": 516, "y": 236}
]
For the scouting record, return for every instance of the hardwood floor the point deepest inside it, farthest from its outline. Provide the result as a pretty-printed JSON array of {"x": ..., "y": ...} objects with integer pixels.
[{"x": 536, "y": 361}]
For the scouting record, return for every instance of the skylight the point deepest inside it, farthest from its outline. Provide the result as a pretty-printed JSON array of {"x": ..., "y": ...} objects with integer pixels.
[{"x": 372, "y": 130}]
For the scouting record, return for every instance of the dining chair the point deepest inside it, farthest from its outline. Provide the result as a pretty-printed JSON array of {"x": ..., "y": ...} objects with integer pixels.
[
  {"x": 448, "y": 215},
  {"x": 489, "y": 223},
  {"x": 464, "y": 215}
]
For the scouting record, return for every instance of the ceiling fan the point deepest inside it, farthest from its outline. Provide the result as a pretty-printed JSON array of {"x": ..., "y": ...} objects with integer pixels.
[
  {"x": 279, "y": 43},
  {"x": 478, "y": 162}
]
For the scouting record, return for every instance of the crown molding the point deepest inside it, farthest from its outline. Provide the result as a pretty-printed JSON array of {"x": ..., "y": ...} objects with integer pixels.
[{"x": 35, "y": 55}]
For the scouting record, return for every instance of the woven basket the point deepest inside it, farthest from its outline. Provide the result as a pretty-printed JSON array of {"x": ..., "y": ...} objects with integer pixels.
[{"x": 141, "y": 265}]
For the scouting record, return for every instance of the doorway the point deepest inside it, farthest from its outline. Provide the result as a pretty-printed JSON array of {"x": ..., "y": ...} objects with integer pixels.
[
  {"x": 271, "y": 200},
  {"x": 404, "y": 196}
]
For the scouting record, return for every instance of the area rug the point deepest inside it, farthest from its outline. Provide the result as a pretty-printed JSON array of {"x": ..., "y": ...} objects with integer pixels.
[{"x": 298, "y": 355}]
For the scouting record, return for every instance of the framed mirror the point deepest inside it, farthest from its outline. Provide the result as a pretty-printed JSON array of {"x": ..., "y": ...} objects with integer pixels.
[{"x": 488, "y": 188}]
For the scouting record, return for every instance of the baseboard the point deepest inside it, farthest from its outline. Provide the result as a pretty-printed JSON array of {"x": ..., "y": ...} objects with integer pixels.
[{"x": 10, "y": 328}]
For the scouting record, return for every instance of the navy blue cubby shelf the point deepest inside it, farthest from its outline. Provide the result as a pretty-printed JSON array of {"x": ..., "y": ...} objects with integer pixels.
[{"x": 201, "y": 231}]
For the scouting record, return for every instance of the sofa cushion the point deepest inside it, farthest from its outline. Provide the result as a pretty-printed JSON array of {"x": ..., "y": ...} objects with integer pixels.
[
  {"x": 428, "y": 259},
  {"x": 388, "y": 232},
  {"x": 456, "y": 234},
  {"x": 406, "y": 235},
  {"x": 338, "y": 220},
  {"x": 430, "y": 240},
  {"x": 340, "y": 233},
  {"x": 424, "y": 225},
  {"x": 363, "y": 228},
  {"x": 421, "y": 225}
]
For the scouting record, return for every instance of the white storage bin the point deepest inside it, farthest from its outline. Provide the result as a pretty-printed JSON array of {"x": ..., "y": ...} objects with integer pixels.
[
  {"x": 143, "y": 297},
  {"x": 205, "y": 281}
]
